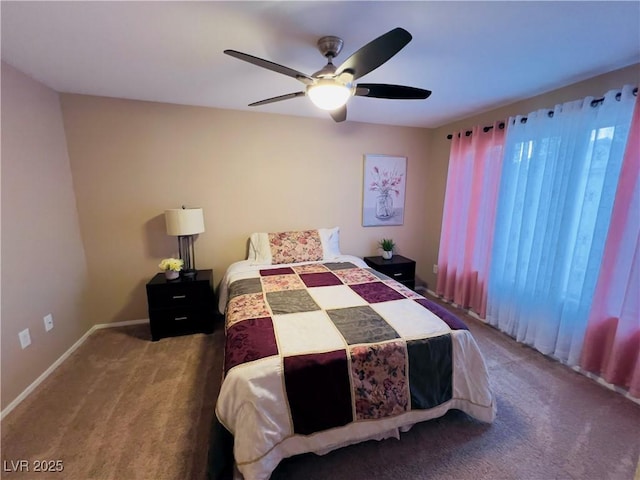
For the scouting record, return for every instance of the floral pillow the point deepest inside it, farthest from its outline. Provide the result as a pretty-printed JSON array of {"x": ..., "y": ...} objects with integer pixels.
[{"x": 294, "y": 247}]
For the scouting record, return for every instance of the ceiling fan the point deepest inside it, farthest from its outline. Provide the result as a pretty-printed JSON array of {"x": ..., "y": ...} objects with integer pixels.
[{"x": 331, "y": 87}]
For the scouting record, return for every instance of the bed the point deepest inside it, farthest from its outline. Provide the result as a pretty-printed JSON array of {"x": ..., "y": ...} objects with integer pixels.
[{"x": 323, "y": 352}]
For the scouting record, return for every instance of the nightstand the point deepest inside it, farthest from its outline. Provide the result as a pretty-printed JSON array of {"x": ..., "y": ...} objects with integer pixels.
[
  {"x": 399, "y": 268},
  {"x": 181, "y": 307}
]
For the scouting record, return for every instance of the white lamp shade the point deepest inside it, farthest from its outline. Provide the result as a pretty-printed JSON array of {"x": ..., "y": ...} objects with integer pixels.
[{"x": 184, "y": 221}]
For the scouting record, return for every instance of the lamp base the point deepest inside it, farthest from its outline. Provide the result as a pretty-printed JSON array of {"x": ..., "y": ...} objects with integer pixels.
[{"x": 188, "y": 274}]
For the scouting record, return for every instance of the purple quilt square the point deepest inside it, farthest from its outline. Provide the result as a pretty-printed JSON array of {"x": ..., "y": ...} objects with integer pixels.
[
  {"x": 324, "y": 279},
  {"x": 445, "y": 315},
  {"x": 318, "y": 391},
  {"x": 276, "y": 271},
  {"x": 376, "y": 292},
  {"x": 249, "y": 340}
]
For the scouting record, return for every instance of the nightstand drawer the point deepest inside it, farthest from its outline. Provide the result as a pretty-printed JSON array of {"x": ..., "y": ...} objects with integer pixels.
[
  {"x": 178, "y": 295},
  {"x": 179, "y": 321},
  {"x": 178, "y": 315},
  {"x": 402, "y": 275}
]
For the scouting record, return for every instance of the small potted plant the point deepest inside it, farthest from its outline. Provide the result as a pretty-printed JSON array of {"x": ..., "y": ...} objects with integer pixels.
[
  {"x": 387, "y": 245},
  {"x": 171, "y": 267}
]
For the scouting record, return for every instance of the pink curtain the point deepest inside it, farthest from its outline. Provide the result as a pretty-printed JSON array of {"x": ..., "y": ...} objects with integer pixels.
[
  {"x": 469, "y": 216},
  {"x": 612, "y": 340}
]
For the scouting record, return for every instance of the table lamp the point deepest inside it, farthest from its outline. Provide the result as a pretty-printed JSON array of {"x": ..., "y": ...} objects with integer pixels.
[{"x": 185, "y": 223}]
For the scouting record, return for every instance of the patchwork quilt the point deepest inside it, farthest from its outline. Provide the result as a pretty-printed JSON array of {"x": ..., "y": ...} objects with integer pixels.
[{"x": 324, "y": 354}]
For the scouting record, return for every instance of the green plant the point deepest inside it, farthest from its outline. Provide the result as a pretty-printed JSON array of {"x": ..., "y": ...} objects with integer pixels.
[{"x": 387, "y": 244}]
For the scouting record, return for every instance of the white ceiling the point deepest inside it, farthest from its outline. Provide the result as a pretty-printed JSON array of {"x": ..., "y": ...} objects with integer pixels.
[{"x": 474, "y": 56}]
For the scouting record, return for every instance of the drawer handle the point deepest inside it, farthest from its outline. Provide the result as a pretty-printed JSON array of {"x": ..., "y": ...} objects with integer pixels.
[
  {"x": 397, "y": 274},
  {"x": 180, "y": 318},
  {"x": 176, "y": 297}
]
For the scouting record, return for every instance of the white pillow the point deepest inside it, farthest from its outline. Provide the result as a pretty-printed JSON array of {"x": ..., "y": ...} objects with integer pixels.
[
  {"x": 330, "y": 238},
  {"x": 260, "y": 249}
]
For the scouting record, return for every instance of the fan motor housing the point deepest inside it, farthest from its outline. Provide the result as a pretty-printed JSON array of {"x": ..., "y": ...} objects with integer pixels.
[{"x": 330, "y": 46}]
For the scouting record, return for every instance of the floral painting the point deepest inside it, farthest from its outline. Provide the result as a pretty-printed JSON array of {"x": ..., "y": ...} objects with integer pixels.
[{"x": 384, "y": 190}]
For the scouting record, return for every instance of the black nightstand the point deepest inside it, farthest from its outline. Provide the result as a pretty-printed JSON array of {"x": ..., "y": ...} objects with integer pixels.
[
  {"x": 181, "y": 307},
  {"x": 399, "y": 268}
]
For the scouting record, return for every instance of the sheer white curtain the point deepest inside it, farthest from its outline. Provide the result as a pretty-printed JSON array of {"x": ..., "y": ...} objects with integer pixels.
[{"x": 558, "y": 183}]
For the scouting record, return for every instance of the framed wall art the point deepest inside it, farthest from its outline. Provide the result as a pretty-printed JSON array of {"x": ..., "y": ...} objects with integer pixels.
[{"x": 385, "y": 179}]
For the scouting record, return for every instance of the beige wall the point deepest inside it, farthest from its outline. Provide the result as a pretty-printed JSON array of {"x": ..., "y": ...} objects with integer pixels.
[
  {"x": 439, "y": 144},
  {"x": 43, "y": 263},
  {"x": 249, "y": 171}
]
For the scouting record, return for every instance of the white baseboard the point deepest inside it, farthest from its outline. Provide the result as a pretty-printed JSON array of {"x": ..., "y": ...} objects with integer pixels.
[
  {"x": 25, "y": 393},
  {"x": 422, "y": 288},
  {"x": 126, "y": 323},
  {"x": 604, "y": 383}
]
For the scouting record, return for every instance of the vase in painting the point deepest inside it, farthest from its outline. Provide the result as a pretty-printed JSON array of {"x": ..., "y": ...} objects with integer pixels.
[{"x": 384, "y": 206}]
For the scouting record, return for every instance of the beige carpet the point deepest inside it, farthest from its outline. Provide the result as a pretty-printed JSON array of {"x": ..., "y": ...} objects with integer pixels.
[{"x": 123, "y": 407}]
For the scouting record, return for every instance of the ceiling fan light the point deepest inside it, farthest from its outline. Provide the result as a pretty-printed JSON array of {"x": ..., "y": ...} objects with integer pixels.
[{"x": 328, "y": 95}]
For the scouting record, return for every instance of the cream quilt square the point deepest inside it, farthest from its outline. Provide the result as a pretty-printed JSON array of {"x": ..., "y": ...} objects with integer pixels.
[
  {"x": 410, "y": 319},
  {"x": 337, "y": 296},
  {"x": 307, "y": 332}
]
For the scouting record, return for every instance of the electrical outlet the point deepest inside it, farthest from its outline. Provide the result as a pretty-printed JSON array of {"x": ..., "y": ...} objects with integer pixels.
[
  {"x": 25, "y": 338},
  {"x": 48, "y": 322},
  {"x": 435, "y": 268}
]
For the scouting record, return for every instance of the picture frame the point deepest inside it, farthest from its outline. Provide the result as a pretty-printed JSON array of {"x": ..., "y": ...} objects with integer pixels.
[{"x": 384, "y": 188}]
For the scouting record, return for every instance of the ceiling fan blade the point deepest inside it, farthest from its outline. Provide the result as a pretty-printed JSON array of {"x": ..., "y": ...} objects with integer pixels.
[
  {"x": 375, "y": 53},
  {"x": 397, "y": 92},
  {"x": 340, "y": 114},
  {"x": 274, "y": 67},
  {"x": 277, "y": 99}
]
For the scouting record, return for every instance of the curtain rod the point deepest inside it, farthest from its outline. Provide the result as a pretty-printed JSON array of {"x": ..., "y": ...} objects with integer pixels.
[{"x": 594, "y": 103}]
